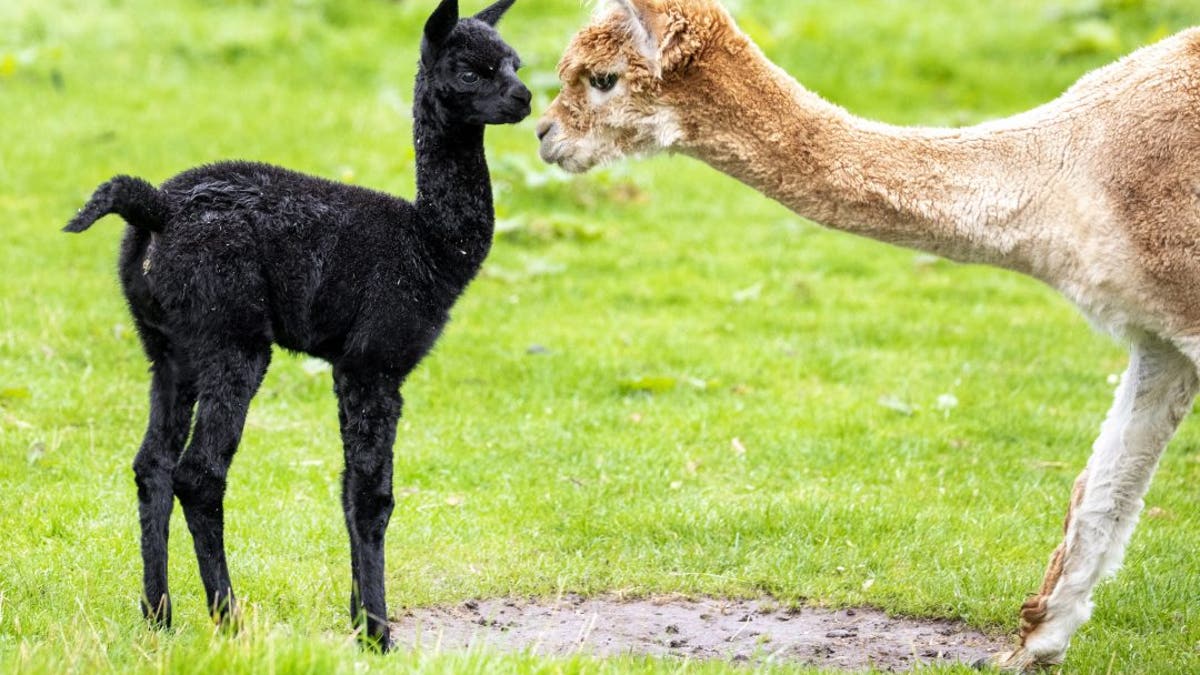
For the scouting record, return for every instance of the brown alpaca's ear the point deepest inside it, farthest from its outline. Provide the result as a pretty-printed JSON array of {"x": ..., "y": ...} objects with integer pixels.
[{"x": 656, "y": 33}]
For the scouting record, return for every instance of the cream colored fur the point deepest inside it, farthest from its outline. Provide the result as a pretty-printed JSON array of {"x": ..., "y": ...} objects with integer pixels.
[{"x": 1096, "y": 193}]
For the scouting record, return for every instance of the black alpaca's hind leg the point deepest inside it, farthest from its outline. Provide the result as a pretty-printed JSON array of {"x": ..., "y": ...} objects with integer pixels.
[
  {"x": 172, "y": 397},
  {"x": 226, "y": 382},
  {"x": 368, "y": 408}
]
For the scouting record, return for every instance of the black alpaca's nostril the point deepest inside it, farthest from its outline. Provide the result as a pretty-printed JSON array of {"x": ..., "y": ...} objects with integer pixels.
[
  {"x": 544, "y": 128},
  {"x": 523, "y": 95}
]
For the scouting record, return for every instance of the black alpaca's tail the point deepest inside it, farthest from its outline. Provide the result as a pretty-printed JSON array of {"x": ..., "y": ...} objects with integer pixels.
[{"x": 141, "y": 205}]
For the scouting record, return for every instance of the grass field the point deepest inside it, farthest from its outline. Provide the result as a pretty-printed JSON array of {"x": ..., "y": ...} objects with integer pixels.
[{"x": 910, "y": 427}]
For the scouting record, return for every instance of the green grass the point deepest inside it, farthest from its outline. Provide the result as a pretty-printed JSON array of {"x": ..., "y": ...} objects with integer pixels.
[{"x": 530, "y": 474}]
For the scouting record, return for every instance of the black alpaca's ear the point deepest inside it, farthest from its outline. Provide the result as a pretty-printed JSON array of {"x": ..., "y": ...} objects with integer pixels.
[
  {"x": 441, "y": 22},
  {"x": 491, "y": 15}
]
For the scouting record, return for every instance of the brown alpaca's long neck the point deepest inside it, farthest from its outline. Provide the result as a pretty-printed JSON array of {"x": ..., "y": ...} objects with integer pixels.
[{"x": 957, "y": 193}]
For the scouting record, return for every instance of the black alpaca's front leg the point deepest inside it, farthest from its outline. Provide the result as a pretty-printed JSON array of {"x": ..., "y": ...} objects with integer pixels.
[
  {"x": 227, "y": 382},
  {"x": 368, "y": 409},
  {"x": 171, "y": 400}
]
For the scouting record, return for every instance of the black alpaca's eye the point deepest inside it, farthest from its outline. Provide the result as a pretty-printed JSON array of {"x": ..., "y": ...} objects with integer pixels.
[
  {"x": 604, "y": 82},
  {"x": 469, "y": 77}
]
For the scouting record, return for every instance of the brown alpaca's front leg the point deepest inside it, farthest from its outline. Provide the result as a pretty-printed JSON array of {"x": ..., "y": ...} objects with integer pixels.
[
  {"x": 1155, "y": 393},
  {"x": 1033, "y": 612}
]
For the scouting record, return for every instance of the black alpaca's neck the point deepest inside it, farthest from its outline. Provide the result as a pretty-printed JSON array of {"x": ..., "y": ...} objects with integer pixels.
[{"x": 454, "y": 189}]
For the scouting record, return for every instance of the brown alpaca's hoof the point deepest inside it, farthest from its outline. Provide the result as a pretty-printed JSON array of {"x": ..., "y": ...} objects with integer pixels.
[{"x": 1019, "y": 660}]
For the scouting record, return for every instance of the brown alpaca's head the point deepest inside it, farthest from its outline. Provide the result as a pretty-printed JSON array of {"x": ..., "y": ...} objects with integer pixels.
[{"x": 625, "y": 77}]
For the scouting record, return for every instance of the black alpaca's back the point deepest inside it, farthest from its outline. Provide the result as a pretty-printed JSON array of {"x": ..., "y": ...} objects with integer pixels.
[
  {"x": 224, "y": 260},
  {"x": 320, "y": 267}
]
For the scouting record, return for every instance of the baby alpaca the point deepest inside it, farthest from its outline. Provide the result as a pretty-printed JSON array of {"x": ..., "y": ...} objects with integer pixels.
[
  {"x": 224, "y": 260},
  {"x": 1097, "y": 194}
]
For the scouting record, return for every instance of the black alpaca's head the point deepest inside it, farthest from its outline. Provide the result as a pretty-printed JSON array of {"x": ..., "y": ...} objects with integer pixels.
[{"x": 468, "y": 73}]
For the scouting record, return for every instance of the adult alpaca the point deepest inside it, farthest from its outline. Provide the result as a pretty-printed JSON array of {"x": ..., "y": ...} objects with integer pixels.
[
  {"x": 224, "y": 260},
  {"x": 1097, "y": 194}
]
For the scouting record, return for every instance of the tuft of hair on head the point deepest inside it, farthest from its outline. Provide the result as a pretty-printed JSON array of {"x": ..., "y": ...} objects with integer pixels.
[
  {"x": 640, "y": 29},
  {"x": 667, "y": 34}
]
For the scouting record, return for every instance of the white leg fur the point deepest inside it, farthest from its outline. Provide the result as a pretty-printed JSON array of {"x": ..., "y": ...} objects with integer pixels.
[
  {"x": 1153, "y": 397},
  {"x": 1190, "y": 347}
]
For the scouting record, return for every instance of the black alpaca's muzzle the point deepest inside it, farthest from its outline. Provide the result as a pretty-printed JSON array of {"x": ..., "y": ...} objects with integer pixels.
[{"x": 518, "y": 105}]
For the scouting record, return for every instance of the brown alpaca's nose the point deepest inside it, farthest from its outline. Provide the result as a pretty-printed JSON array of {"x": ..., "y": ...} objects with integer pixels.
[{"x": 543, "y": 128}]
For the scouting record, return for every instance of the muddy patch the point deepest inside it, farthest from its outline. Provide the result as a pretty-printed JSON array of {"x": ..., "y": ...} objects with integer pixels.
[{"x": 750, "y": 631}]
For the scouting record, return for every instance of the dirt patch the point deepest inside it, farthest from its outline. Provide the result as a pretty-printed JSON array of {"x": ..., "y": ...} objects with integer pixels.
[{"x": 749, "y": 631}]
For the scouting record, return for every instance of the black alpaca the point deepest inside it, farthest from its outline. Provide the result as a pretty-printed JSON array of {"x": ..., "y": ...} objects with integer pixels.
[{"x": 224, "y": 260}]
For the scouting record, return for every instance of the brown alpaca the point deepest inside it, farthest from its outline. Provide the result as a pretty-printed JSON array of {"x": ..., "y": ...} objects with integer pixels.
[{"x": 1096, "y": 193}]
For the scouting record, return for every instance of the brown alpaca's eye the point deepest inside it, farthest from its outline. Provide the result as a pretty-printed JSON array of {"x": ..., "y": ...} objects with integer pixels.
[
  {"x": 469, "y": 77},
  {"x": 604, "y": 82}
]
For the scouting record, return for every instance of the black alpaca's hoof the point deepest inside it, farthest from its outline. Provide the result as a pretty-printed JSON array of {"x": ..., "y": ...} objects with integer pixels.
[
  {"x": 158, "y": 617},
  {"x": 227, "y": 619},
  {"x": 229, "y": 626},
  {"x": 378, "y": 644}
]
